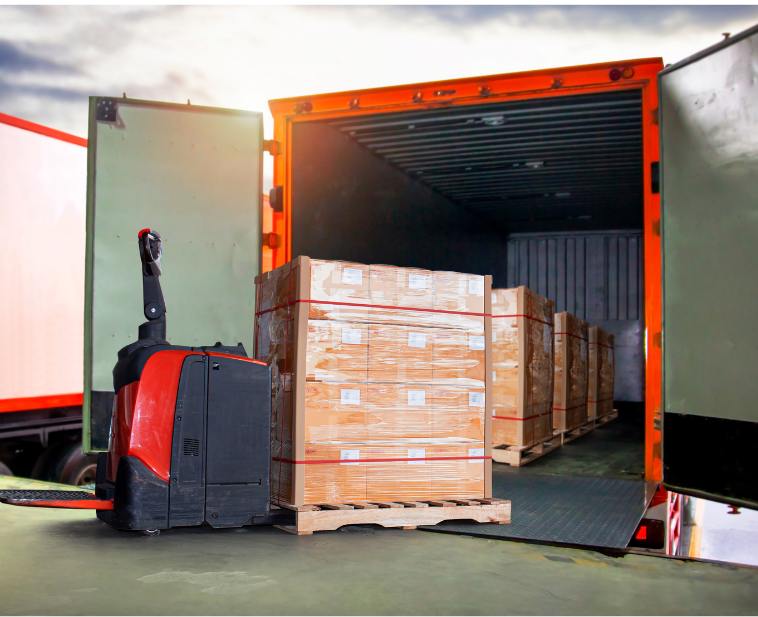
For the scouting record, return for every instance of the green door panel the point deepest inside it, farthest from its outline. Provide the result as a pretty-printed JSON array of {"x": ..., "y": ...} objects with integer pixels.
[
  {"x": 193, "y": 174},
  {"x": 709, "y": 124}
]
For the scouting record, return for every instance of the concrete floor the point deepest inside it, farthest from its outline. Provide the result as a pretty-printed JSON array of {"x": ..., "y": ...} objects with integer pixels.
[{"x": 67, "y": 562}]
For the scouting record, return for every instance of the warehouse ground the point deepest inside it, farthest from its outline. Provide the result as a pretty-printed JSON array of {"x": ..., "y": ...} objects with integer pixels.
[{"x": 67, "y": 562}]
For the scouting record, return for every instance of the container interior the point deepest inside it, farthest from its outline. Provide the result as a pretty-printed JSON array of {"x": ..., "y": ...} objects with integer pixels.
[{"x": 545, "y": 192}]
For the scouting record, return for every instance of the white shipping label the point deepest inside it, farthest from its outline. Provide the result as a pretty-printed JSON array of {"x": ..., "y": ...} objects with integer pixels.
[
  {"x": 494, "y": 336},
  {"x": 583, "y": 351},
  {"x": 416, "y": 339},
  {"x": 476, "y": 287},
  {"x": 352, "y": 276},
  {"x": 476, "y": 343},
  {"x": 476, "y": 452},
  {"x": 417, "y": 454},
  {"x": 417, "y": 281},
  {"x": 350, "y": 397},
  {"x": 494, "y": 376},
  {"x": 476, "y": 399},
  {"x": 351, "y": 336},
  {"x": 416, "y": 397},
  {"x": 494, "y": 297},
  {"x": 547, "y": 337},
  {"x": 350, "y": 455}
]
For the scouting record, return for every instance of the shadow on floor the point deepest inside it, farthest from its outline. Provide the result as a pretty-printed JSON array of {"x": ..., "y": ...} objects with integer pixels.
[{"x": 615, "y": 450}]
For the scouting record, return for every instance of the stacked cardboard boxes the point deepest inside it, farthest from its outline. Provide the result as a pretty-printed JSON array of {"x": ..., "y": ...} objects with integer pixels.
[
  {"x": 571, "y": 372},
  {"x": 380, "y": 382},
  {"x": 601, "y": 372},
  {"x": 523, "y": 369}
]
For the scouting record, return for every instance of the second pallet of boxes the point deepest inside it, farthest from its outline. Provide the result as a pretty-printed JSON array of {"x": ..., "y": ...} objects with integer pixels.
[
  {"x": 380, "y": 396},
  {"x": 523, "y": 372}
]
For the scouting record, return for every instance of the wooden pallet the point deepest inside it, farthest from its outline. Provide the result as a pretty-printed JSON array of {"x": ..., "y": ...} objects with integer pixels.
[
  {"x": 575, "y": 433},
  {"x": 587, "y": 427},
  {"x": 603, "y": 420},
  {"x": 517, "y": 456},
  {"x": 403, "y": 514}
]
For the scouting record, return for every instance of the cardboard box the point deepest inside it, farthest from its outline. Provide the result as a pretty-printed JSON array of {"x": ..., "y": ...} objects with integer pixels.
[
  {"x": 400, "y": 354},
  {"x": 458, "y": 357},
  {"x": 601, "y": 372},
  {"x": 523, "y": 367},
  {"x": 571, "y": 372},
  {"x": 336, "y": 351},
  {"x": 348, "y": 379}
]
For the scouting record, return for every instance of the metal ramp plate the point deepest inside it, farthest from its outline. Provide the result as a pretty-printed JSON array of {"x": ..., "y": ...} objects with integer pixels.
[{"x": 601, "y": 512}]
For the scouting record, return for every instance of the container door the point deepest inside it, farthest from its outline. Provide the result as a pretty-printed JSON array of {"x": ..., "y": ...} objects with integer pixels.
[
  {"x": 194, "y": 174},
  {"x": 709, "y": 155}
]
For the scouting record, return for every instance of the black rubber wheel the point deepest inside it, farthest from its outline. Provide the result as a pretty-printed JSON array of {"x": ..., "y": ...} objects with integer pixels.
[
  {"x": 150, "y": 532},
  {"x": 66, "y": 464}
]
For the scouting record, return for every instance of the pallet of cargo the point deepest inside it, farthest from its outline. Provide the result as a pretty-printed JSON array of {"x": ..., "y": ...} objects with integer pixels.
[
  {"x": 518, "y": 456},
  {"x": 402, "y": 514},
  {"x": 603, "y": 420}
]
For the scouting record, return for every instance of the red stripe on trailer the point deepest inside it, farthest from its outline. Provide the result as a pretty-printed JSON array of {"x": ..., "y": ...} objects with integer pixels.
[{"x": 42, "y": 130}]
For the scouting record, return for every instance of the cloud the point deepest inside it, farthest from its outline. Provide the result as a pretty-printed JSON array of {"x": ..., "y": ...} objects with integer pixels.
[
  {"x": 12, "y": 90},
  {"x": 664, "y": 19},
  {"x": 15, "y": 60}
]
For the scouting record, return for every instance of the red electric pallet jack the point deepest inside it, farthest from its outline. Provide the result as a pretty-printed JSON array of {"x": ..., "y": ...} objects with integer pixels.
[{"x": 190, "y": 432}]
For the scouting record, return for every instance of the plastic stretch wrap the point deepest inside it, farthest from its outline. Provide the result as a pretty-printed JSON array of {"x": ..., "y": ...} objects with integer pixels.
[
  {"x": 601, "y": 372},
  {"x": 522, "y": 366},
  {"x": 571, "y": 372},
  {"x": 377, "y": 394}
]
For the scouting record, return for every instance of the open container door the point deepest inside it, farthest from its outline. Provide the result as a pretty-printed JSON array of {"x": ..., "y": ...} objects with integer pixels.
[
  {"x": 709, "y": 154},
  {"x": 194, "y": 174}
]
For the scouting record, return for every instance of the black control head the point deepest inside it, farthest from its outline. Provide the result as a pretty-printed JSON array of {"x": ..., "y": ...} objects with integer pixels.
[{"x": 152, "y": 295}]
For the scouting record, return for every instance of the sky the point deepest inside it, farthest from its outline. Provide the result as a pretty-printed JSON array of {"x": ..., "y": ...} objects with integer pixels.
[{"x": 53, "y": 57}]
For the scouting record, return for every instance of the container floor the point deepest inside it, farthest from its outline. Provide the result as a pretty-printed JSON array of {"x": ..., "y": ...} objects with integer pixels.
[
  {"x": 68, "y": 563},
  {"x": 589, "y": 492}
]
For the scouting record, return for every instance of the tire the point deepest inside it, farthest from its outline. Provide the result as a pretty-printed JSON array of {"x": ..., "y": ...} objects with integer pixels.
[
  {"x": 64, "y": 463},
  {"x": 76, "y": 468}
]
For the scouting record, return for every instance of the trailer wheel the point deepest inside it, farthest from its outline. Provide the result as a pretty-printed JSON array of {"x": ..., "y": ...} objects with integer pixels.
[
  {"x": 150, "y": 532},
  {"x": 66, "y": 464},
  {"x": 76, "y": 468}
]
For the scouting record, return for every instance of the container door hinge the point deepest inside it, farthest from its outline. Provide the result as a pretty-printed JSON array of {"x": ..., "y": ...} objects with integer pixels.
[
  {"x": 276, "y": 198},
  {"x": 271, "y": 240},
  {"x": 655, "y": 177},
  {"x": 273, "y": 147},
  {"x": 105, "y": 109}
]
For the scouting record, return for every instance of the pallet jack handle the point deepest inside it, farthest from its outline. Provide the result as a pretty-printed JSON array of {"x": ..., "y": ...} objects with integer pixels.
[{"x": 152, "y": 295}]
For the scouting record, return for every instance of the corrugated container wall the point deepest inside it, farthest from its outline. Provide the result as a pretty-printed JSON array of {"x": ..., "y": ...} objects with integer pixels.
[{"x": 596, "y": 276}]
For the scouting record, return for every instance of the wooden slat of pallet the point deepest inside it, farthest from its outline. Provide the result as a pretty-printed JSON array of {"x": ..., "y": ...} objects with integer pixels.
[
  {"x": 365, "y": 506},
  {"x": 529, "y": 447},
  {"x": 575, "y": 433},
  {"x": 466, "y": 502},
  {"x": 308, "y": 521},
  {"x": 336, "y": 506},
  {"x": 518, "y": 458},
  {"x": 388, "y": 504},
  {"x": 414, "y": 504},
  {"x": 442, "y": 504},
  {"x": 603, "y": 420},
  {"x": 289, "y": 506}
]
